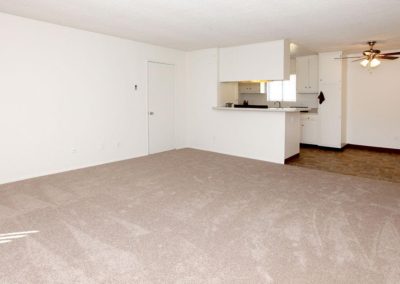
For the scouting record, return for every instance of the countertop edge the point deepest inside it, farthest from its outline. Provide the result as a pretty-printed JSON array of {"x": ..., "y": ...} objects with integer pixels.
[{"x": 260, "y": 109}]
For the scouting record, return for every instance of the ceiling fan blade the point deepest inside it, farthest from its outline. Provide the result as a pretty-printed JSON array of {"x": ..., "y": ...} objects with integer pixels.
[
  {"x": 346, "y": 57},
  {"x": 362, "y": 58},
  {"x": 392, "y": 53},
  {"x": 382, "y": 56}
]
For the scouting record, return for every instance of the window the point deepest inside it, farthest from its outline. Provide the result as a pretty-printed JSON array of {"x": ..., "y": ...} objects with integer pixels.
[
  {"x": 262, "y": 87},
  {"x": 282, "y": 90}
]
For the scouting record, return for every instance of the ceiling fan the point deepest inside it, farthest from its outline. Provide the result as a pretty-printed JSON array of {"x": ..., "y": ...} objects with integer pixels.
[{"x": 372, "y": 57}]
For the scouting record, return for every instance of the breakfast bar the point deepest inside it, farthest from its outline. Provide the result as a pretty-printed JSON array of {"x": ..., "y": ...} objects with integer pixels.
[{"x": 270, "y": 134}]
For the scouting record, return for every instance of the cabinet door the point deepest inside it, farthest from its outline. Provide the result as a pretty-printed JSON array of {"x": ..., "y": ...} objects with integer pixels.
[
  {"x": 330, "y": 69},
  {"x": 313, "y": 74},
  {"x": 259, "y": 61},
  {"x": 243, "y": 88},
  {"x": 330, "y": 116},
  {"x": 302, "y": 74},
  {"x": 249, "y": 88},
  {"x": 254, "y": 88},
  {"x": 309, "y": 132}
]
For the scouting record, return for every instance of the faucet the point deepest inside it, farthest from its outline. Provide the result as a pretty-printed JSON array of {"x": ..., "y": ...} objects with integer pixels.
[{"x": 279, "y": 104}]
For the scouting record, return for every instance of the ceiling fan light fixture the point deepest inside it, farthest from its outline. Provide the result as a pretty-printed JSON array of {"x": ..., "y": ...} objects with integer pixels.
[
  {"x": 364, "y": 63},
  {"x": 375, "y": 62},
  {"x": 371, "y": 58}
]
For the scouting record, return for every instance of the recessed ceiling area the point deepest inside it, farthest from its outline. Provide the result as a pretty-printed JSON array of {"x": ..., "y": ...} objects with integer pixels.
[{"x": 189, "y": 25}]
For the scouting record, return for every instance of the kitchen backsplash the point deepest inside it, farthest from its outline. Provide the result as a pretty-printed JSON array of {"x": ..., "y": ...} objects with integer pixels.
[{"x": 306, "y": 100}]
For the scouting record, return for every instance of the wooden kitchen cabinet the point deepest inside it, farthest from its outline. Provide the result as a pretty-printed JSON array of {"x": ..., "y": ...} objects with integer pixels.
[{"x": 307, "y": 74}]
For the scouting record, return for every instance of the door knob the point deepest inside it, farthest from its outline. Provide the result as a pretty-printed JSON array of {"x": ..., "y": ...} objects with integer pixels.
[{"x": 151, "y": 113}]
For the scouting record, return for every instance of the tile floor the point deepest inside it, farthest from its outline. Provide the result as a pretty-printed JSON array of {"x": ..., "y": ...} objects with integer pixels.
[{"x": 350, "y": 161}]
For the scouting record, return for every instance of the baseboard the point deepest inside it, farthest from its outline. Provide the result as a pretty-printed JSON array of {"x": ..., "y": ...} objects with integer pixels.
[
  {"x": 373, "y": 148},
  {"x": 291, "y": 158},
  {"x": 68, "y": 169},
  {"x": 320, "y": 147},
  {"x": 331, "y": 148},
  {"x": 308, "y": 145},
  {"x": 353, "y": 146}
]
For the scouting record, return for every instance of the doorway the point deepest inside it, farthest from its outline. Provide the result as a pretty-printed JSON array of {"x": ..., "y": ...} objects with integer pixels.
[{"x": 161, "y": 102}]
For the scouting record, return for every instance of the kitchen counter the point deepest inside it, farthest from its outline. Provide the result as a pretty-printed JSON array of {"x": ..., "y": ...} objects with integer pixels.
[
  {"x": 283, "y": 109},
  {"x": 271, "y": 135},
  {"x": 311, "y": 110}
]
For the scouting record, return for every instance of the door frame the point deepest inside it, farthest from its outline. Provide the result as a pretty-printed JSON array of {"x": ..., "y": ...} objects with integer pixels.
[{"x": 148, "y": 62}]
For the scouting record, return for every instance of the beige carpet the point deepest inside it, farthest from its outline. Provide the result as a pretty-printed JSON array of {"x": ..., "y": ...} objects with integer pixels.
[{"x": 190, "y": 216}]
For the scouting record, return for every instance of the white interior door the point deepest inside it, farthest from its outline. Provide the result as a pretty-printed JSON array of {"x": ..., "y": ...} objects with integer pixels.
[{"x": 161, "y": 89}]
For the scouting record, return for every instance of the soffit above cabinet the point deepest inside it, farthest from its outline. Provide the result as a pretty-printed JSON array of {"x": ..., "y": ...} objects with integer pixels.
[{"x": 261, "y": 61}]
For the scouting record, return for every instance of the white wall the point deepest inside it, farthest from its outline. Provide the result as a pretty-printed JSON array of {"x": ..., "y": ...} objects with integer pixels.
[
  {"x": 292, "y": 134},
  {"x": 67, "y": 99},
  {"x": 202, "y": 85},
  {"x": 373, "y": 101}
]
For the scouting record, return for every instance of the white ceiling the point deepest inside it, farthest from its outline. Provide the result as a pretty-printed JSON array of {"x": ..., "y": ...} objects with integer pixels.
[{"x": 317, "y": 25}]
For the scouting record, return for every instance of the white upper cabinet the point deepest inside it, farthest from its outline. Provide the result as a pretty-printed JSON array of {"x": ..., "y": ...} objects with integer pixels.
[
  {"x": 307, "y": 74},
  {"x": 302, "y": 74},
  {"x": 313, "y": 73},
  {"x": 251, "y": 88},
  {"x": 330, "y": 69},
  {"x": 260, "y": 61}
]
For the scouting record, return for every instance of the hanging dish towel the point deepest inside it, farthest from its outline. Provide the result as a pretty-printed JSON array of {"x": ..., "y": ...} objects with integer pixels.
[{"x": 321, "y": 97}]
